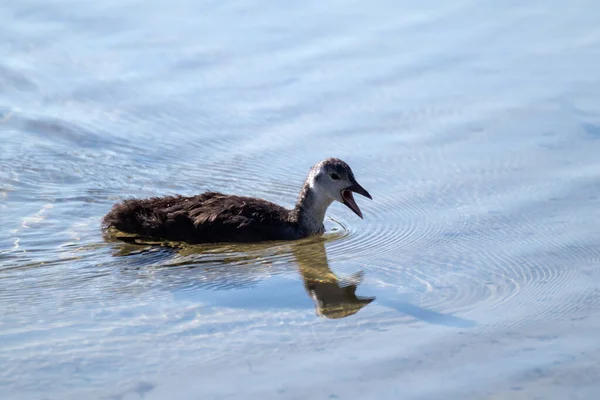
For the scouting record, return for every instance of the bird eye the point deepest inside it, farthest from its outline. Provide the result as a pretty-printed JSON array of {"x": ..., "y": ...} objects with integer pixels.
[{"x": 335, "y": 177}]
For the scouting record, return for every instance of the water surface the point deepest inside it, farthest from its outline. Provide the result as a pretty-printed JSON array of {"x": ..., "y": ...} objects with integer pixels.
[{"x": 475, "y": 126}]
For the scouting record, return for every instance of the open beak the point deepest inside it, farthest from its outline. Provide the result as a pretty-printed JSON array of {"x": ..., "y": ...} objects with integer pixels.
[{"x": 348, "y": 198}]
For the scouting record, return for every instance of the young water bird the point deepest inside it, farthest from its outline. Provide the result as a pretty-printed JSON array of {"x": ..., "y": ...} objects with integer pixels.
[{"x": 213, "y": 217}]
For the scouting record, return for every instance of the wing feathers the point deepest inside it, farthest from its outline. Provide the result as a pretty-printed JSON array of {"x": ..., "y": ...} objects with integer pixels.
[{"x": 208, "y": 217}]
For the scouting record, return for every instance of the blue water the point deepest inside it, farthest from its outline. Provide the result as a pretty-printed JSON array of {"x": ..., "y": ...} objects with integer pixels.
[{"x": 474, "y": 125}]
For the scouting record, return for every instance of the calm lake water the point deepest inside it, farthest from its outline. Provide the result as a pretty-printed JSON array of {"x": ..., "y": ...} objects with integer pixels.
[{"x": 474, "y": 125}]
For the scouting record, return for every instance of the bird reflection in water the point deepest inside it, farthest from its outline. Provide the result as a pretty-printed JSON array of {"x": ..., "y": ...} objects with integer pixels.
[{"x": 334, "y": 297}]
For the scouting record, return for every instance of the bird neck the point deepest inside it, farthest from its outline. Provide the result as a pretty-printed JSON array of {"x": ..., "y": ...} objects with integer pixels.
[{"x": 310, "y": 208}]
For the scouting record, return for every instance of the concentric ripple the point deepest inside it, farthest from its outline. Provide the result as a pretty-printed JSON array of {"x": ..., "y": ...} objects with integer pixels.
[
  {"x": 377, "y": 234},
  {"x": 505, "y": 262}
]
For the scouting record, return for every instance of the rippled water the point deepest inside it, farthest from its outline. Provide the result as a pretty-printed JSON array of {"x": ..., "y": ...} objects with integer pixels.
[{"x": 474, "y": 125}]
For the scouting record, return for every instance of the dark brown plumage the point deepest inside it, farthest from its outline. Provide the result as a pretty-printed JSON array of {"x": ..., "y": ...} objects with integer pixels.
[
  {"x": 208, "y": 217},
  {"x": 216, "y": 217}
]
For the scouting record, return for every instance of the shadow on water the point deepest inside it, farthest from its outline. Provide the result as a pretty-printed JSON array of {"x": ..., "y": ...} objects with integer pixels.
[
  {"x": 334, "y": 297},
  {"x": 427, "y": 315}
]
